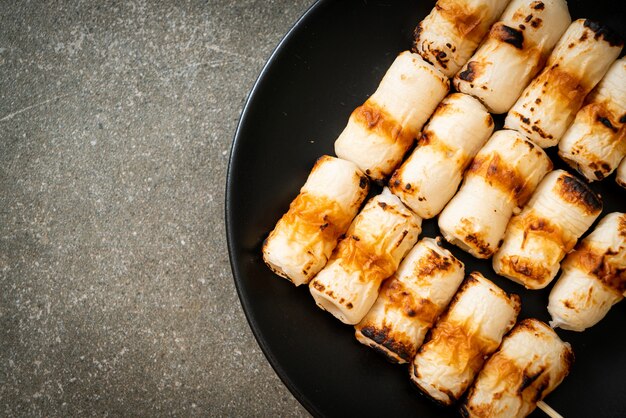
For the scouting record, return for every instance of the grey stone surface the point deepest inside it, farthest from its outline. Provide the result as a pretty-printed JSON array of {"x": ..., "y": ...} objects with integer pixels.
[{"x": 116, "y": 295}]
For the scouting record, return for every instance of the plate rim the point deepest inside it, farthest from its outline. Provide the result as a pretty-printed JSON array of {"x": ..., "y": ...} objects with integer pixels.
[{"x": 252, "y": 323}]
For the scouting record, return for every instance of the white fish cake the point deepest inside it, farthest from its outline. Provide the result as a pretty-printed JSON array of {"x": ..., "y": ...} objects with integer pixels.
[
  {"x": 531, "y": 362},
  {"x": 593, "y": 277},
  {"x": 513, "y": 52},
  {"x": 472, "y": 328},
  {"x": 428, "y": 179},
  {"x": 500, "y": 180},
  {"x": 411, "y": 300},
  {"x": 559, "y": 212},
  {"x": 596, "y": 142},
  {"x": 381, "y": 131},
  {"x": 304, "y": 238},
  {"x": 548, "y": 105},
  {"x": 451, "y": 32},
  {"x": 377, "y": 240},
  {"x": 620, "y": 176}
]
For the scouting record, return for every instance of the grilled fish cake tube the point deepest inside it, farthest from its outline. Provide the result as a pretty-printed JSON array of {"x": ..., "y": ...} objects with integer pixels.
[
  {"x": 500, "y": 180},
  {"x": 596, "y": 142},
  {"x": 411, "y": 300},
  {"x": 428, "y": 179},
  {"x": 559, "y": 212},
  {"x": 378, "y": 239},
  {"x": 531, "y": 362},
  {"x": 593, "y": 277},
  {"x": 304, "y": 238},
  {"x": 382, "y": 130},
  {"x": 513, "y": 53},
  {"x": 548, "y": 105},
  {"x": 467, "y": 333},
  {"x": 620, "y": 177},
  {"x": 449, "y": 35}
]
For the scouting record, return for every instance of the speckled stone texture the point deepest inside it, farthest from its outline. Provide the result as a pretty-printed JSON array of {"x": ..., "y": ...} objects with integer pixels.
[{"x": 116, "y": 294}]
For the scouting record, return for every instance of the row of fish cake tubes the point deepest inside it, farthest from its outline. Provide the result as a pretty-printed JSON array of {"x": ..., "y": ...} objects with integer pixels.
[
  {"x": 344, "y": 257},
  {"x": 347, "y": 277},
  {"x": 578, "y": 102},
  {"x": 559, "y": 106},
  {"x": 396, "y": 320},
  {"x": 593, "y": 277},
  {"x": 503, "y": 74},
  {"x": 512, "y": 207},
  {"x": 505, "y": 206},
  {"x": 513, "y": 39},
  {"x": 380, "y": 132},
  {"x": 466, "y": 346},
  {"x": 474, "y": 345},
  {"x": 549, "y": 104},
  {"x": 419, "y": 290},
  {"x": 595, "y": 142}
]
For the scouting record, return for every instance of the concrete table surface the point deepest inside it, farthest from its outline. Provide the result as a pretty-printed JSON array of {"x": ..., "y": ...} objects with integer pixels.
[{"x": 116, "y": 294}]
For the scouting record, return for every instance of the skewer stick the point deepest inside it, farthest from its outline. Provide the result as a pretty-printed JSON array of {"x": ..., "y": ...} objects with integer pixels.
[{"x": 548, "y": 410}]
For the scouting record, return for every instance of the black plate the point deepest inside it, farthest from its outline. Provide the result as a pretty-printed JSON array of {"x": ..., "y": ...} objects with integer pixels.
[{"x": 327, "y": 65}]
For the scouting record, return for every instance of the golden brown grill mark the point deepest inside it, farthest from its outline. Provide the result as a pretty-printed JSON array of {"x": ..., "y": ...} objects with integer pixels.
[
  {"x": 531, "y": 271},
  {"x": 482, "y": 410},
  {"x": 363, "y": 183},
  {"x": 598, "y": 112},
  {"x": 499, "y": 174},
  {"x": 394, "y": 341},
  {"x": 568, "y": 359},
  {"x": 474, "y": 69},
  {"x": 567, "y": 89},
  {"x": 432, "y": 263},
  {"x": 541, "y": 132},
  {"x": 534, "y": 225},
  {"x": 318, "y": 286},
  {"x": 459, "y": 346},
  {"x": 466, "y": 21},
  {"x": 424, "y": 140},
  {"x": 575, "y": 192},
  {"x": 427, "y": 139},
  {"x": 566, "y": 85},
  {"x": 522, "y": 118},
  {"x": 356, "y": 255},
  {"x": 606, "y": 122},
  {"x": 376, "y": 119},
  {"x": 412, "y": 307},
  {"x": 507, "y": 34},
  {"x": 604, "y": 32},
  {"x": 528, "y": 385},
  {"x": 312, "y": 216},
  {"x": 569, "y": 305},
  {"x": 599, "y": 265},
  {"x": 395, "y": 184},
  {"x": 525, "y": 324},
  {"x": 437, "y": 144},
  {"x": 476, "y": 239}
]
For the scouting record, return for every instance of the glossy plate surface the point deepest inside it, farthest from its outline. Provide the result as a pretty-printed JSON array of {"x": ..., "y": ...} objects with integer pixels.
[{"x": 327, "y": 65}]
